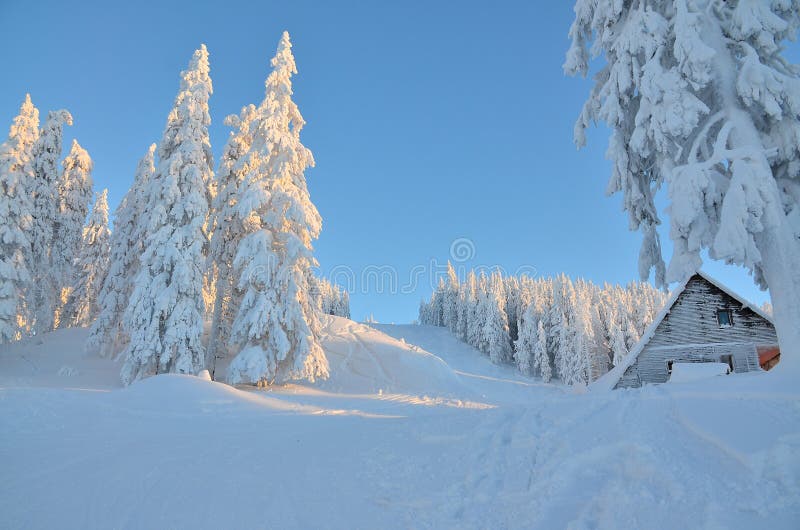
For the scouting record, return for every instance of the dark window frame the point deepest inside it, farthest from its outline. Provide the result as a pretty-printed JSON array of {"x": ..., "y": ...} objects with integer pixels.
[{"x": 729, "y": 315}]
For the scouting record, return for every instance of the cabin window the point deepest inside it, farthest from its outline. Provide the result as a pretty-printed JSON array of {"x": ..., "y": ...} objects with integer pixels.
[{"x": 724, "y": 318}]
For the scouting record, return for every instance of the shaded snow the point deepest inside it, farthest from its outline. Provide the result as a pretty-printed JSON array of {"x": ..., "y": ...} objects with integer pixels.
[{"x": 421, "y": 433}]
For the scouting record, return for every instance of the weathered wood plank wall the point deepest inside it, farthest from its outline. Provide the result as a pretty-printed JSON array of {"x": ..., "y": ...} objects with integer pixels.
[{"x": 690, "y": 333}]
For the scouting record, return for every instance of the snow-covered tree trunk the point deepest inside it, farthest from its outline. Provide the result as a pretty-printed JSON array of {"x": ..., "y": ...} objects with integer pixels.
[
  {"x": 781, "y": 271},
  {"x": 107, "y": 336},
  {"x": 91, "y": 266},
  {"x": 16, "y": 174},
  {"x": 699, "y": 96},
  {"x": 277, "y": 326},
  {"x": 165, "y": 316},
  {"x": 43, "y": 192}
]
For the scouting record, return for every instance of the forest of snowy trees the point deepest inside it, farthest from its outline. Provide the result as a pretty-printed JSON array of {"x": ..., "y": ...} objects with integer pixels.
[
  {"x": 549, "y": 327},
  {"x": 53, "y": 260},
  {"x": 188, "y": 246}
]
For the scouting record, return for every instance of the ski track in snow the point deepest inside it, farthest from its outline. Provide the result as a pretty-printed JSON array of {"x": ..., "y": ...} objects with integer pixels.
[{"x": 422, "y": 432}]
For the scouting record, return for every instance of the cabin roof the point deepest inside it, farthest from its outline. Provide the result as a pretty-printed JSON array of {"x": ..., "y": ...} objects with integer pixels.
[{"x": 610, "y": 380}]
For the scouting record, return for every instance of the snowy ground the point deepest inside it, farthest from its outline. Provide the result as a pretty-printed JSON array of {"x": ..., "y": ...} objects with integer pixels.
[{"x": 416, "y": 433}]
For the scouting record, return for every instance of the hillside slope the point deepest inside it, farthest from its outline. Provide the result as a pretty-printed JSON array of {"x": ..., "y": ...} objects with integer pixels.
[{"x": 421, "y": 432}]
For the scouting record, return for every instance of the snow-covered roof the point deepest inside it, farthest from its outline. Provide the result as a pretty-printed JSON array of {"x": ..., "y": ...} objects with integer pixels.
[
  {"x": 730, "y": 292},
  {"x": 610, "y": 380}
]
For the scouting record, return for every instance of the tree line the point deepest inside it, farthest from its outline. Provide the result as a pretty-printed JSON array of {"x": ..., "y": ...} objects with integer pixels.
[{"x": 548, "y": 327}]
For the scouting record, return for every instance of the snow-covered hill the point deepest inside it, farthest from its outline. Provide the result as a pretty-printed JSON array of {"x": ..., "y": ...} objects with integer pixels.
[{"x": 413, "y": 429}]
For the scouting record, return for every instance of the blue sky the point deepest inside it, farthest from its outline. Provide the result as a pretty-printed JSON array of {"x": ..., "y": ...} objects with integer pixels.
[{"x": 431, "y": 122}]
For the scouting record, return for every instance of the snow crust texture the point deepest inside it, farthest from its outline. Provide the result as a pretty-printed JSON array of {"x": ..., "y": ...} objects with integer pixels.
[{"x": 413, "y": 429}]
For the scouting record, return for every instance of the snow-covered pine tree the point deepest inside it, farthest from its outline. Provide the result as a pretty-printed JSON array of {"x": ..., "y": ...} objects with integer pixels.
[
  {"x": 572, "y": 358},
  {"x": 495, "y": 337},
  {"x": 344, "y": 305},
  {"x": 541, "y": 360},
  {"x": 165, "y": 316},
  {"x": 43, "y": 193},
  {"x": 423, "y": 313},
  {"x": 462, "y": 322},
  {"x": 277, "y": 325},
  {"x": 228, "y": 231},
  {"x": 618, "y": 347},
  {"x": 512, "y": 305},
  {"x": 438, "y": 302},
  {"x": 699, "y": 96},
  {"x": 74, "y": 193},
  {"x": 450, "y": 300},
  {"x": 91, "y": 267},
  {"x": 107, "y": 336},
  {"x": 561, "y": 343},
  {"x": 16, "y": 174},
  {"x": 632, "y": 335},
  {"x": 598, "y": 358},
  {"x": 477, "y": 317},
  {"x": 525, "y": 346}
]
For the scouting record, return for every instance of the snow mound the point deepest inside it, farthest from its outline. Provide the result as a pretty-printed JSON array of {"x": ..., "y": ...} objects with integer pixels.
[
  {"x": 362, "y": 360},
  {"x": 686, "y": 372},
  {"x": 365, "y": 360},
  {"x": 179, "y": 395}
]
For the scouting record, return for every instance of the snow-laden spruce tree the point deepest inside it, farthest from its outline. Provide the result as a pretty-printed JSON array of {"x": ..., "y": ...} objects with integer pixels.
[
  {"x": 74, "y": 193},
  {"x": 107, "y": 336},
  {"x": 541, "y": 360},
  {"x": 618, "y": 347},
  {"x": 450, "y": 301},
  {"x": 699, "y": 96},
  {"x": 477, "y": 315},
  {"x": 513, "y": 305},
  {"x": 44, "y": 194},
  {"x": 91, "y": 267},
  {"x": 343, "y": 307},
  {"x": 462, "y": 322},
  {"x": 438, "y": 302},
  {"x": 277, "y": 326},
  {"x": 164, "y": 319},
  {"x": 572, "y": 353},
  {"x": 525, "y": 345},
  {"x": 494, "y": 334},
  {"x": 228, "y": 230},
  {"x": 16, "y": 174}
]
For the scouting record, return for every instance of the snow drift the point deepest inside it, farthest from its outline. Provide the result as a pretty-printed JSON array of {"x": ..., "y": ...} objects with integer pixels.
[{"x": 484, "y": 447}]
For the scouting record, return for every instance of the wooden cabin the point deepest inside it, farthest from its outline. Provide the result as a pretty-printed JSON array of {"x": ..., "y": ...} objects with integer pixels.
[{"x": 702, "y": 322}]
